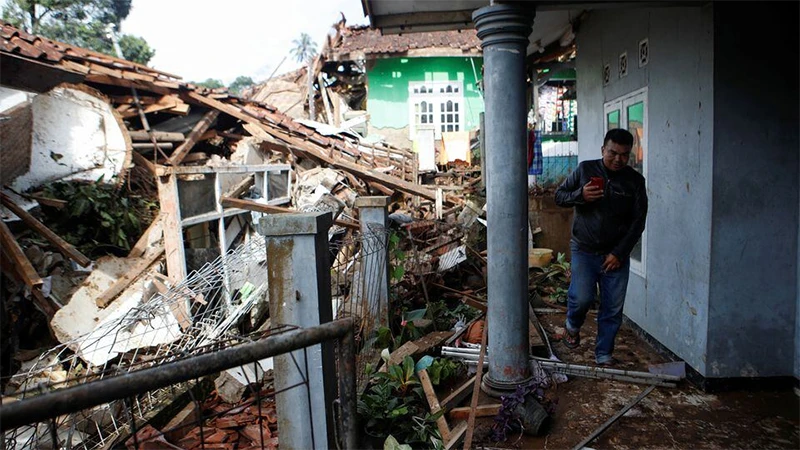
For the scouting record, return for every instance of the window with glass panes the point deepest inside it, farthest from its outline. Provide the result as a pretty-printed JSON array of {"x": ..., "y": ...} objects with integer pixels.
[
  {"x": 630, "y": 112},
  {"x": 436, "y": 105}
]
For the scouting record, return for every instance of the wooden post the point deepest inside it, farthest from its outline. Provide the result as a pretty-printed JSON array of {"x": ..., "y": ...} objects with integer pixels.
[
  {"x": 173, "y": 229},
  {"x": 325, "y": 101}
]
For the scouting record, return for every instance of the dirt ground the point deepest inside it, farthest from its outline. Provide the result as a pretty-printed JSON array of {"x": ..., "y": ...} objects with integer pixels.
[{"x": 669, "y": 418}]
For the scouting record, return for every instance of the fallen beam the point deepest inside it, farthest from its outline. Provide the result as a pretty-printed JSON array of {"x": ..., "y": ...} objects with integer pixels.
[
  {"x": 194, "y": 136},
  {"x": 140, "y": 247},
  {"x": 251, "y": 205},
  {"x": 355, "y": 169},
  {"x": 241, "y": 187},
  {"x": 123, "y": 282},
  {"x": 149, "y": 146},
  {"x": 21, "y": 264},
  {"x": 64, "y": 247}
]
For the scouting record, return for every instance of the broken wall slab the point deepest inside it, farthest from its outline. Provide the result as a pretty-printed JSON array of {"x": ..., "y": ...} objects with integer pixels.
[
  {"x": 75, "y": 136},
  {"x": 98, "y": 335}
]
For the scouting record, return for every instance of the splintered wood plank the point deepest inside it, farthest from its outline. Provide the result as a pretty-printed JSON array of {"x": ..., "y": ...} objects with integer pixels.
[
  {"x": 22, "y": 265},
  {"x": 251, "y": 205},
  {"x": 106, "y": 297},
  {"x": 161, "y": 136},
  {"x": 64, "y": 247},
  {"x": 194, "y": 136},
  {"x": 433, "y": 402},
  {"x": 241, "y": 187},
  {"x": 141, "y": 245},
  {"x": 165, "y": 102},
  {"x": 354, "y": 168}
]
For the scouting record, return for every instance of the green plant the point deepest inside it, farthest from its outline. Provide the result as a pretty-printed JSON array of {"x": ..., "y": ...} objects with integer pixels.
[
  {"x": 555, "y": 279},
  {"x": 444, "y": 318},
  {"x": 561, "y": 268},
  {"x": 395, "y": 405},
  {"x": 97, "y": 216},
  {"x": 443, "y": 369},
  {"x": 400, "y": 377},
  {"x": 560, "y": 295},
  {"x": 396, "y": 258}
]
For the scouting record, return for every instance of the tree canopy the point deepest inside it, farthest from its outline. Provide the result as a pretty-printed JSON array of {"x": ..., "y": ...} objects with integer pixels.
[
  {"x": 210, "y": 83},
  {"x": 240, "y": 83},
  {"x": 304, "y": 48},
  {"x": 84, "y": 23}
]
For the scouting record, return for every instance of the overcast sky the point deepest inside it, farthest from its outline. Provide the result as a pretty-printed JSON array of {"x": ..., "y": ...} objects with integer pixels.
[{"x": 200, "y": 39}]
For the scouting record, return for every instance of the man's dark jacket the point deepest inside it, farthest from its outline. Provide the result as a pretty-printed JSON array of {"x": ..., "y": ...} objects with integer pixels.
[{"x": 612, "y": 224}]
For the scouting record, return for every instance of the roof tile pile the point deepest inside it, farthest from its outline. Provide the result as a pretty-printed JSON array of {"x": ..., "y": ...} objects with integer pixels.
[{"x": 370, "y": 41}]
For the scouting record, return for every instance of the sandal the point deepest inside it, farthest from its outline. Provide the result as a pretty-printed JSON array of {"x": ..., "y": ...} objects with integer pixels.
[{"x": 571, "y": 340}]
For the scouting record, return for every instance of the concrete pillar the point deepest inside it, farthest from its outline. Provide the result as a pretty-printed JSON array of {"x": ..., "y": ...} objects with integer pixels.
[
  {"x": 503, "y": 30},
  {"x": 373, "y": 215},
  {"x": 299, "y": 280}
]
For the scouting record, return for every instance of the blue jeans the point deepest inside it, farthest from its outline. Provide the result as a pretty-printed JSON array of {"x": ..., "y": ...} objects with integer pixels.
[{"x": 587, "y": 272}]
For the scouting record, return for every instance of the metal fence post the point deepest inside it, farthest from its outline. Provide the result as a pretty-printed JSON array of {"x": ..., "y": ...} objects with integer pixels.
[
  {"x": 299, "y": 283},
  {"x": 373, "y": 215}
]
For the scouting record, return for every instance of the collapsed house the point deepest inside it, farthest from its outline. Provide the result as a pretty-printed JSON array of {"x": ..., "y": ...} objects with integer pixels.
[{"x": 217, "y": 163}]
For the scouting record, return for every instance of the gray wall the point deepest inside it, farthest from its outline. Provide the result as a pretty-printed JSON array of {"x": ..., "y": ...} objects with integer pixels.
[
  {"x": 671, "y": 303},
  {"x": 753, "y": 297}
]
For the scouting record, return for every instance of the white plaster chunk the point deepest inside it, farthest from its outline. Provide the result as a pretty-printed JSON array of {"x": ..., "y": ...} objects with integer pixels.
[
  {"x": 75, "y": 137},
  {"x": 99, "y": 335}
]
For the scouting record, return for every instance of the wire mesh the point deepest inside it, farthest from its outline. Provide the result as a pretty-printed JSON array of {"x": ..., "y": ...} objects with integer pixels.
[
  {"x": 192, "y": 415},
  {"x": 198, "y": 315},
  {"x": 359, "y": 285}
]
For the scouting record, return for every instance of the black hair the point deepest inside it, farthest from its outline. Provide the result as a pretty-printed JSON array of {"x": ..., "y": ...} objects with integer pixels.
[{"x": 620, "y": 136}]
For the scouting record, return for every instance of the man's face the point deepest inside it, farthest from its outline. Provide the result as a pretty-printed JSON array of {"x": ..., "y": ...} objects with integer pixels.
[{"x": 615, "y": 156}]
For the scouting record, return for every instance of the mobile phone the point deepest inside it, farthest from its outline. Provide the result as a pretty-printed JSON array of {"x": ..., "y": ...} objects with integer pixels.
[{"x": 597, "y": 182}]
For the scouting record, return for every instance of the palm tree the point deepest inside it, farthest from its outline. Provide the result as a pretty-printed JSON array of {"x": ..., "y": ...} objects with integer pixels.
[{"x": 304, "y": 51}]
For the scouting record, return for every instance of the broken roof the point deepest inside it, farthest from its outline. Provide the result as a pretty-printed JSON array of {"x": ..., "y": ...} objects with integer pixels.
[
  {"x": 359, "y": 42},
  {"x": 36, "y": 63},
  {"x": 17, "y": 43}
]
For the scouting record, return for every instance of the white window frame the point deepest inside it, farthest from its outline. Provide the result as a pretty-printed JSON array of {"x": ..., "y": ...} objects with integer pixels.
[
  {"x": 437, "y": 98},
  {"x": 621, "y": 104}
]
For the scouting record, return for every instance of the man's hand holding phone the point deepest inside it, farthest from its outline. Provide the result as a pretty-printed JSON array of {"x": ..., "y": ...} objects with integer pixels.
[{"x": 593, "y": 190}]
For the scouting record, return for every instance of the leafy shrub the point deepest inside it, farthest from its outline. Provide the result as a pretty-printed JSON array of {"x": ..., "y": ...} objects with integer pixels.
[
  {"x": 98, "y": 218},
  {"x": 395, "y": 405}
]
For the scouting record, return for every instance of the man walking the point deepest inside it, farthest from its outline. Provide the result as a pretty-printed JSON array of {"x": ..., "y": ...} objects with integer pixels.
[{"x": 610, "y": 203}]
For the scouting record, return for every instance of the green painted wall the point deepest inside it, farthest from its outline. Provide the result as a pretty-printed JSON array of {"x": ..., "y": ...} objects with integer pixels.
[{"x": 387, "y": 84}]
